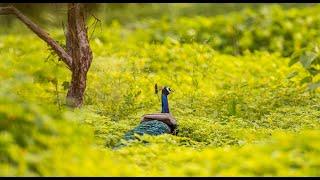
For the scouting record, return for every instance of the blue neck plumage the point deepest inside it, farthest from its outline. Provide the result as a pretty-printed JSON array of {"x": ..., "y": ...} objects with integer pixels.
[{"x": 165, "y": 105}]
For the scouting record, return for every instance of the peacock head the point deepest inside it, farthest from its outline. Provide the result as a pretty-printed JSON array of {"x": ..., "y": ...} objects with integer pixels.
[{"x": 166, "y": 90}]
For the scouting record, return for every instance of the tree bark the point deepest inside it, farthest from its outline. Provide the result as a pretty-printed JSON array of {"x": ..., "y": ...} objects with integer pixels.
[{"x": 78, "y": 47}]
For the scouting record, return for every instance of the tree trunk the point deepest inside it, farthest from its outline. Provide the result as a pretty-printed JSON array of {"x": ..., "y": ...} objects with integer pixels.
[
  {"x": 78, "y": 47},
  {"x": 77, "y": 88}
]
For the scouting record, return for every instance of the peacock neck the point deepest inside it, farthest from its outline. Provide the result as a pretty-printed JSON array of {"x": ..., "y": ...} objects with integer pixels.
[{"x": 165, "y": 104}]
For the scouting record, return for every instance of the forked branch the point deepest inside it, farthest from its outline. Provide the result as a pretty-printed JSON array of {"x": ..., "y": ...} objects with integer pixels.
[{"x": 64, "y": 56}]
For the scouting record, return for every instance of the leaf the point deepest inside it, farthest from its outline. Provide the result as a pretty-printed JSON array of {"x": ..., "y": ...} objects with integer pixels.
[
  {"x": 316, "y": 49},
  {"x": 306, "y": 80},
  {"x": 294, "y": 58},
  {"x": 65, "y": 85},
  {"x": 313, "y": 71},
  {"x": 53, "y": 80},
  {"x": 293, "y": 74},
  {"x": 307, "y": 58},
  {"x": 232, "y": 107},
  {"x": 40, "y": 77},
  {"x": 314, "y": 86}
]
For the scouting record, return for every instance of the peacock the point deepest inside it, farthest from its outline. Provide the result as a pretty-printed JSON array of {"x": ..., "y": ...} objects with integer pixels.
[{"x": 157, "y": 123}]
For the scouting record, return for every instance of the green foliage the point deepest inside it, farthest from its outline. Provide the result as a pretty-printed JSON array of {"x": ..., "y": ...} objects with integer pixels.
[
  {"x": 270, "y": 28},
  {"x": 310, "y": 60},
  {"x": 244, "y": 115}
]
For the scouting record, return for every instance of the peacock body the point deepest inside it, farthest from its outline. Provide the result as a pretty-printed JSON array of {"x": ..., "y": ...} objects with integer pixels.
[
  {"x": 154, "y": 124},
  {"x": 153, "y": 127}
]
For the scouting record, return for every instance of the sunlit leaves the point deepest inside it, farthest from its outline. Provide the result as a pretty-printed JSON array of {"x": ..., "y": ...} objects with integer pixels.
[
  {"x": 293, "y": 74},
  {"x": 307, "y": 58},
  {"x": 314, "y": 86}
]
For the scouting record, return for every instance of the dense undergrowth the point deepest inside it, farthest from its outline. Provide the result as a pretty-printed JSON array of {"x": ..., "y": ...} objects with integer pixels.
[{"x": 239, "y": 114}]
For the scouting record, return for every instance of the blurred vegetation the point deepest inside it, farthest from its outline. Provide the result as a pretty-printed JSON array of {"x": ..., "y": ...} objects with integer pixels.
[
  {"x": 239, "y": 114},
  {"x": 52, "y": 14}
]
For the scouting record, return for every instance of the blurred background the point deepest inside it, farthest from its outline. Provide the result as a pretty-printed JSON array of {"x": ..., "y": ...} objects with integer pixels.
[{"x": 49, "y": 14}]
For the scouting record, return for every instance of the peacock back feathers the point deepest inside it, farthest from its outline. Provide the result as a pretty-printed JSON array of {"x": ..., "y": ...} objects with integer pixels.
[{"x": 153, "y": 127}]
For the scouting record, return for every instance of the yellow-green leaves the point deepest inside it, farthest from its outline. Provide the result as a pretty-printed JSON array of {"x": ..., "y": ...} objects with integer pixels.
[
  {"x": 243, "y": 115},
  {"x": 310, "y": 61},
  {"x": 307, "y": 58}
]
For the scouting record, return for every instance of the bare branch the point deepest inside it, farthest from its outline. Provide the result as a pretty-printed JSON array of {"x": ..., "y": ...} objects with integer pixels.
[
  {"x": 94, "y": 24},
  {"x": 66, "y": 58},
  {"x": 6, "y": 10}
]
